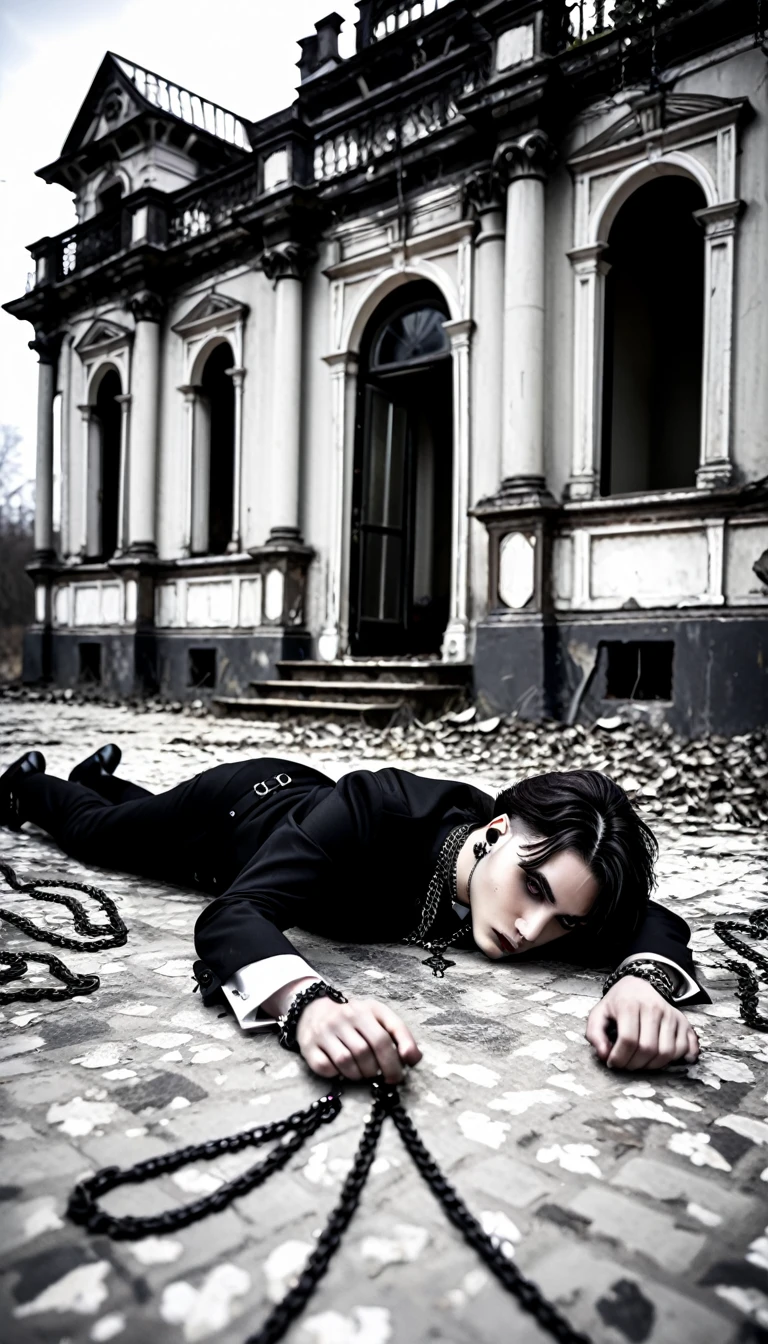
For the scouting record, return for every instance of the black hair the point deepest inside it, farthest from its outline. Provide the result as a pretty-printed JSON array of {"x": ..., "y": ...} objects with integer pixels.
[{"x": 586, "y": 811}]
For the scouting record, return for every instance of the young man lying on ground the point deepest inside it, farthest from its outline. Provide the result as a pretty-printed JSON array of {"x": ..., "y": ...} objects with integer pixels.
[{"x": 387, "y": 856}]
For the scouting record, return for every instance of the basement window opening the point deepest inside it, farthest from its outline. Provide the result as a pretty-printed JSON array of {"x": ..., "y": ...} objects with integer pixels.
[
  {"x": 202, "y": 669},
  {"x": 639, "y": 670},
  {"x": 89, "y": 671}
]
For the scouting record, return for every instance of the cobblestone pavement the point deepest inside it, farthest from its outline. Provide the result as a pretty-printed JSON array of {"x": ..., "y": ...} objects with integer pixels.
[{"x": 636, "y": 1202}]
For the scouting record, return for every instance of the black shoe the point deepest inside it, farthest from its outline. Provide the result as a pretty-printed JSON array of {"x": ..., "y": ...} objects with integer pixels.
[
  {"x": 103, "y": 762},
  {"x": 31, "y": 763}
]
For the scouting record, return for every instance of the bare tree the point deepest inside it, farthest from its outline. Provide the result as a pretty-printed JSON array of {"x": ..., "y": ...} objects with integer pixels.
[{"x": 16, "y": 548}]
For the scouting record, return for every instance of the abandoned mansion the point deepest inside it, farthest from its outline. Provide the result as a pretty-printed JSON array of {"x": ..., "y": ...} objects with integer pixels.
[{"x": 452, "y": 375}]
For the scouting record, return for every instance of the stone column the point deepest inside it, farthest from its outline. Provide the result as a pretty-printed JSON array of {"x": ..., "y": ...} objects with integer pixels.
[
  {"x": 237, "y": 375},
  {"x": 590, "y": 269},
  {"x": 124, "y": 401},
  {"x": 333, "y": 640},
  {"x": 455, "y": 641},
  {"x": 719, "y": 223},
  {"x": 286, "y": 266},
  {"x": 524, "y": 164},
  {"x": 47, "y": 350},
  {"x": 483, "y": 194},
  {"x": 90, "y": 526},
  {"x": 145, "y": 380}
]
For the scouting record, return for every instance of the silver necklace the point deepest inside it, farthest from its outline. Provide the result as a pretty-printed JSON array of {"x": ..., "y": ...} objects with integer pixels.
[{"x": 444, "y": 879}]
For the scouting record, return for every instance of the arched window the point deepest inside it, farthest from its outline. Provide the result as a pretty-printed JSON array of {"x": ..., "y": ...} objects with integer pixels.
[
  {"x": 104, "y": 448},
  {"x": 110, "y": 194},
  {"x": 654, "y": 332},
  {"x": 402, "y": 482},
  {"x": 214, "y": 455}
]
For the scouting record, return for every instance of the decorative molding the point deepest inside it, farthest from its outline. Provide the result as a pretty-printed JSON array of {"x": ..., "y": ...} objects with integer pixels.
[
  {"x": 146, "y": 307},
  {"x": 46, "y": 346},
  {"x": 286, "y": 261},
  {"x": 661, "y": 115},
  {"x": 483, "y": 191},
  {"x": 212, "y": 311},
  {"x": 531, "y": 156},
  {"x": 102, "y": 337}
]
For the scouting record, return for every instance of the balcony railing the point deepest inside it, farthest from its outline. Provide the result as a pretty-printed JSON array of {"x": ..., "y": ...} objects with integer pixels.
[
  {"x": 578, "y": 20},
  {"x": 88, "y": 244},
  {"x": 199, "y": 212},
  {"x": 361, "y": 146},
  {"x": 188, "y": 107}
]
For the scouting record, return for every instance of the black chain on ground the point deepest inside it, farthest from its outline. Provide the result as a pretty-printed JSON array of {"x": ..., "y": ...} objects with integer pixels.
[
  {"x": 115, "y": 931},
  {"x": 292, "y": 1133},
  {"x": 748, "y": 988}
]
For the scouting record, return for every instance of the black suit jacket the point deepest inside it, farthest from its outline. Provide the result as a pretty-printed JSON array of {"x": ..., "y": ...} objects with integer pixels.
[{"x": 352, "y": 861}]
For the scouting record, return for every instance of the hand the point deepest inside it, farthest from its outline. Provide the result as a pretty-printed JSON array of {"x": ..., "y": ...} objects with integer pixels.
[
  {"x": 650, "y": 1032},
  {"x": 357, "y": 1039}
]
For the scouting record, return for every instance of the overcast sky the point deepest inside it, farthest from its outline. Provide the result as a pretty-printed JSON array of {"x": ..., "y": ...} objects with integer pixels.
[{"x": 240, "y": 53}]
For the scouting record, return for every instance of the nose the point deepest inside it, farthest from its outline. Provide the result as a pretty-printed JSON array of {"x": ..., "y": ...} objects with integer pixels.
[{"x": 530, "y": 927}]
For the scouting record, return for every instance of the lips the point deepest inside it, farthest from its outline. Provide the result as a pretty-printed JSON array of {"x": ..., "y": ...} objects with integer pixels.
[{"x": 503, "y": 942}]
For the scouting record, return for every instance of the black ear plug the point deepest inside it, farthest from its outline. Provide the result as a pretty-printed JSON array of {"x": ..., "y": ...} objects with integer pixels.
[{"x": 492, "y": 835}]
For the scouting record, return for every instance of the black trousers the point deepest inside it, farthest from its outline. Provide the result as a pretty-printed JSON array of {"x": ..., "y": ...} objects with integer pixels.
[{"x": 182, "y": 836}]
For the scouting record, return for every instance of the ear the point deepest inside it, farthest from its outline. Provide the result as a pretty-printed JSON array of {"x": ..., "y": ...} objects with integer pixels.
[{"x": 501, "y": 824}]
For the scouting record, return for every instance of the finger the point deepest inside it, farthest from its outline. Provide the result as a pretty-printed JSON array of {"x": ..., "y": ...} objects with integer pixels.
[
  {"x": 692, "y": 1053},
  {"x": 627, "y": 1036},
  {"x": 648, "y": 1042},
  {"x": 319, "y": 1062},
  {"x": 597, "y": 1030},
  {"x": 337, "y": 1051},
  {"x": 360, "y": 1050},
  {"x": 666, "y": 1044},
  {"x": 407, "y": 1048},
  {"x": 383, "y": 1047}
]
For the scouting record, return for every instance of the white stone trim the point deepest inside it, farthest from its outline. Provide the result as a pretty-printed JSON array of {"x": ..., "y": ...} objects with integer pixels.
[
  {"x": 711, "y": 532},
  {"x": 604, "y": 178}
]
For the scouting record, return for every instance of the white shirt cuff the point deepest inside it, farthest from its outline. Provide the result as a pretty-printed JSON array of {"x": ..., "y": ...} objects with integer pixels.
[
  {"x": 684, "y": 986},
  {"x": 247, "y": 989}
]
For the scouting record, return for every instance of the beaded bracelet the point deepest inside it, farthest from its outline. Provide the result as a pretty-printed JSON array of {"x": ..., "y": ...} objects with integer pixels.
[
  {"x": 644, "y": 970},
  {"x": 288, "y": 1022}
]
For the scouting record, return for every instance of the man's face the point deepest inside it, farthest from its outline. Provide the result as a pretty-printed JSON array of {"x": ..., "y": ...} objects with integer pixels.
[{"x": 514, "y": 910}]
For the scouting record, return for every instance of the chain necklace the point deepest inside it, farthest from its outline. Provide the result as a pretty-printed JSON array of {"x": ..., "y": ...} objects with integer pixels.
[
  {"x": 292, "y": 1133},
  {"x": 444, "y": 879},
  {"x": 17, "y": 962},
  {"x": 748, "y": 986}
]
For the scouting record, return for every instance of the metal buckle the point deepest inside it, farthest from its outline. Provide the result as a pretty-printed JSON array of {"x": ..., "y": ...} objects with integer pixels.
[
  {"x": 262, "y": 788},
  {"x": 283, "y": 780}
]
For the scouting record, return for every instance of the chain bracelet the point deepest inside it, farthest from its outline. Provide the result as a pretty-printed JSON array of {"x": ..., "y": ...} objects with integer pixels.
[
  {"x": 288, "y": 1022},
  {"x": 100, "y": 937},
  {"x": 644, "y": 970}
]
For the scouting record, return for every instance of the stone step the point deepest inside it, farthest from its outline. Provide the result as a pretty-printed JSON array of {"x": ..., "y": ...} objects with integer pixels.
[
  {"x": 353, "y": 691},
  {"x": 378, "y": 670},
  {"x": 252, "y": 707}
]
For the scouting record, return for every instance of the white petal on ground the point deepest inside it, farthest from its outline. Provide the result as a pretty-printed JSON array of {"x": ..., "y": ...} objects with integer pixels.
[
  {"x": 220, "y": 1031},
  {"x": 498, "y": 1225},
  {"x": 104, "y": 1056},
  {"x": 210, "y": 1054},
  {"x": 166, "y": 1040},
  {"x": 155, "y": 1250},
  {"x": 699, "y": 1149},
  {"x": 205, "y": 1310},
  {"x": 38, "y": 1216},
  {"x": 284, "y": 1265},
  {"x": 193, "y": 1181},
  {"x": 639, "y": 1108},
  {"x": 481, "y": 1128},
  {"x": 541, "y": 1049},
  {"x": 567, "y": 1081},
  {"x": 517, "y": 1103},
  {"x": 405, "y": 1246},
  {"x": 80, "y": 1116},
  {"x": 82, "y": 1290},
  {"x": 702, "y": 1215},
  {"x": 367, "y": 1325},
  {"x": 108, "y": 1327},
  {"x": 576, "y": 1157},
  {"x": 746, "y": 1126},
  {"x": 136, "y": 1009},
  {"x": 471, "y": 1073}
]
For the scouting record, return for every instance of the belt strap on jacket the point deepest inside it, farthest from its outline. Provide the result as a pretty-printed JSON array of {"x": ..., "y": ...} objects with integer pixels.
[{"x": 261, "y": 790}]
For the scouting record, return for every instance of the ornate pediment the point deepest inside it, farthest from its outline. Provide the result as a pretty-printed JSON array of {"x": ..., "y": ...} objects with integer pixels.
[
  {"x": 102, "y": 336},
  {"x": 662, "y": 114},
  {"x": 214, "y": 310}
]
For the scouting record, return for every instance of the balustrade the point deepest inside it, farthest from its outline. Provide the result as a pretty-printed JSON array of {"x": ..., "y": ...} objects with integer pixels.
[
  {"x": 212, "y": 208},
  {"x": 89, "y": 243}
]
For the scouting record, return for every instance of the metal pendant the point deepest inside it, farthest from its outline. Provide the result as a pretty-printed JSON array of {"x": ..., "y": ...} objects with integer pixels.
[{"x": 438, "y": 963}]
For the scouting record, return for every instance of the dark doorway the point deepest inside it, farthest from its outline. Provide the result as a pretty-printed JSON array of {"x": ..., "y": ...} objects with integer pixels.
[
  {"x": 654, "y": 331},
  {"x": 109, "y": 414},
  {"x": 219, "y": 392},
  {"x": 402, "y": 487}
]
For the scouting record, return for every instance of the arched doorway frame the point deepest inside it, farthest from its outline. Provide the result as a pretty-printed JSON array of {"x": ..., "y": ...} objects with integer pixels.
[
  {"x": 333, "y": 641},
  {"x": 214, "y": 319},
  {"x": 606, "y": 174},
  {"x": 105, "y": 346},
  {"x": 199, "y": 453}
]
